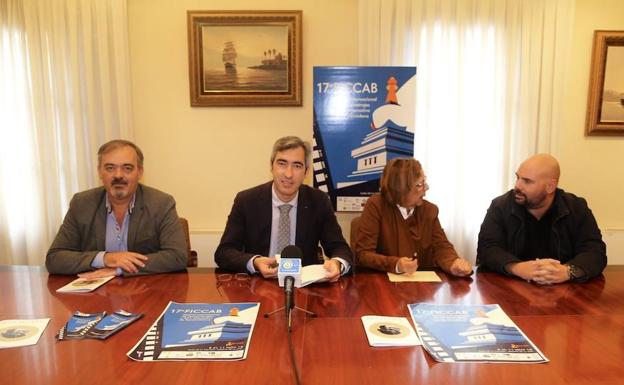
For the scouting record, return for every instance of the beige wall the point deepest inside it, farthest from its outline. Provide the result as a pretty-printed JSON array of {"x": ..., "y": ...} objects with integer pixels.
[
  {"x": 203, "y": 156},
  {"x": 592, "y": 167}
]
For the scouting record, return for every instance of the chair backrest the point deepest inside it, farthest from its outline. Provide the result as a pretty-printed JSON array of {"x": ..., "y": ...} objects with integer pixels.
[
  {"x": 191, "y": 254},
  {"x": 355, "y": 225}
]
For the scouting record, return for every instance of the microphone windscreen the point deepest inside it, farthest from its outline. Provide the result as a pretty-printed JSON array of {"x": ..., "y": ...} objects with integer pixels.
[{"x": 292, "y": 251}]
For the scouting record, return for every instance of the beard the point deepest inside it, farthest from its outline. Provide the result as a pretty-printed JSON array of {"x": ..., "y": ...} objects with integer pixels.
[
  {"x": 119, "y": 193},
  {"x": 530, "y": 203}
]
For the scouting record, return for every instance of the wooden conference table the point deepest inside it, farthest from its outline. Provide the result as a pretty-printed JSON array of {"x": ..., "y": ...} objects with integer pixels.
[{"x": 579, "y": 327}]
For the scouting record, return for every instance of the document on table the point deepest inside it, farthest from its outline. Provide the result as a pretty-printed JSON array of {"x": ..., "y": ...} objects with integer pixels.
[
  {"x": 21, "y": 332},
  {"x": 96, "y": 325},
  {"x": 309, "y": 274},
  {"x": 84, "y": 285},
  {"x": 389, "y": 331},
  {"x": 472, "y": 333},
  {"x": 417, "y": 276},
  {"x": 198, "y": 332}
]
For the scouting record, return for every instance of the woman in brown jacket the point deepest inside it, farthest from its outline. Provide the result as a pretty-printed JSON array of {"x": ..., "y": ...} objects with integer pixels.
[{"x": 399, "y": 231}]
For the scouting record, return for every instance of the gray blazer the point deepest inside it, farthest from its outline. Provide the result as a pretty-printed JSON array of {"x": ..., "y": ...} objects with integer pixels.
[{"x": 154, "y": 231}]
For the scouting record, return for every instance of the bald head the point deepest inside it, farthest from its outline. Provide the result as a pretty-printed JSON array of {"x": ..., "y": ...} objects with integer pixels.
[
  {"x": 536, "y": 183},
  {"x": 542, "y": 166}
]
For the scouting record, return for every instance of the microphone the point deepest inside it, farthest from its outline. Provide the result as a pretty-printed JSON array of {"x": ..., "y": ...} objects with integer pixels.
[
  {"x": 292, "y": 251},
  {"x": 289, "y": 276},
  {"x": 290, "y": 265}
]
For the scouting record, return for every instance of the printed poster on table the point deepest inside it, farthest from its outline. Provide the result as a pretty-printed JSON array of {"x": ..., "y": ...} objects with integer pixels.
[
  {"x": 479, "y": 333},
  {"x": 198, "y": 332},
  {"x": 363, "y": 117}
]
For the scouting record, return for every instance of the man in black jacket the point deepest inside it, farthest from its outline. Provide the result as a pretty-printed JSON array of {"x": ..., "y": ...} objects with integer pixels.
[
  {"x": 539, "y": 232},
  {"x": 257, "y": 229}
]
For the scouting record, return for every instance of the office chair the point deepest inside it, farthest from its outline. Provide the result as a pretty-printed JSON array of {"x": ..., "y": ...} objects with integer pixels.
[{"x": 191, "y": 254}]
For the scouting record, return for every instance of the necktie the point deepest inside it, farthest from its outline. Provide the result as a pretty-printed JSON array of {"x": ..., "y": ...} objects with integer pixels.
[{"x": 283, "y": 229}]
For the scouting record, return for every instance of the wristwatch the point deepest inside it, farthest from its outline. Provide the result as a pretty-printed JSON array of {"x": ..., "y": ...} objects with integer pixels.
[{"x": 574, "y": 273}]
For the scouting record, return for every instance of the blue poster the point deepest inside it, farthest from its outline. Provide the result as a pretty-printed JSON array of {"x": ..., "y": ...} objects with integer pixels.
[
  {"x": 477, "y": 333},
  {"x": 198, "y": 331},
  {"x": 363, "y": 117}
]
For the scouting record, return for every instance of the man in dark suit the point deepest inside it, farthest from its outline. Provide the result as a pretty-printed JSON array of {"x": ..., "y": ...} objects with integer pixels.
[
  {"x": 268, "y": 217},
  {"x": 120, "y": 228}
]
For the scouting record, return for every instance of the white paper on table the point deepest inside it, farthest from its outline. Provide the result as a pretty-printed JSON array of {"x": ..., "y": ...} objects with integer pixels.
[
  {"x": 417, "y": 276},
  {"x": 21, "y": 332},
  {"x": 312, "y": 273},
  {"x": 389, "y": 331},
  {"x": 309, "y": 274},
  {"x": 84, "y": 285}
]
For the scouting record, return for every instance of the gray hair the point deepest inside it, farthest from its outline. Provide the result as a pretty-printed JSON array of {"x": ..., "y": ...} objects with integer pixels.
[
  {"x": 118, "y": 143},
  {"x": 290, "y": 142}
]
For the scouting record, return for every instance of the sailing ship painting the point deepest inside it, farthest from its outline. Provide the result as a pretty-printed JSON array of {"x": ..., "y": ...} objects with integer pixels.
[
  {"x": 235, "y": 58},
  {"x": 229, "y": 57}
]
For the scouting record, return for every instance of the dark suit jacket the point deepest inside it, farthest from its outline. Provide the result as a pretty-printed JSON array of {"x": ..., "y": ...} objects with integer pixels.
[
  {"x": 154, "y": 231},
  {"x": 248, "y": 229}
]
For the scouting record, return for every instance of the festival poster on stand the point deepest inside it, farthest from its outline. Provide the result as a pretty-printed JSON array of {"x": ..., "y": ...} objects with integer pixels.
[
  {"x": 478, "y": 333},
  {"x": 363, "y": 117},
  {"x": 198, "y": 332}
]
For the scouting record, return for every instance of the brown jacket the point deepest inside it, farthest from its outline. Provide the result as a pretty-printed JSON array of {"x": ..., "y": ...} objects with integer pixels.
[{"x": 384, "y": 236}]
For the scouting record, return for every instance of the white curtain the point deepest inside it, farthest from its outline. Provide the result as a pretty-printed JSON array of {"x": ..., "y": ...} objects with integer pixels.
[
  {"x": 489, "y": 83},
  {"x": 64, "y": 90}
]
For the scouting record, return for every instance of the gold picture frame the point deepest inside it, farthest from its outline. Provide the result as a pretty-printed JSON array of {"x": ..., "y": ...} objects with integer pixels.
[
  {"x": 605, "y": 102},
  {"x": 244, "y": 58}
]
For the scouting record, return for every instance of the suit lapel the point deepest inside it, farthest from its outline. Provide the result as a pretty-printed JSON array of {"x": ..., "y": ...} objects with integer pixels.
[
  {"x": 99, "y": 222},
  {"x": 304, "y": 213},
  {"x": 265, "y": 212},
  {"x": 135, "y": 218}
]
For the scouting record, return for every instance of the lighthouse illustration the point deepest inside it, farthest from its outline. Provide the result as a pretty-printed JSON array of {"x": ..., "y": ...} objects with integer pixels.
[{"x": 392, "y": 130}]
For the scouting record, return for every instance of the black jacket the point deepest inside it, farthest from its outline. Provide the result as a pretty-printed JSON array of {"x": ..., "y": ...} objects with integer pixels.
[
  {"x": 248, "y": 229},
  {"x": 575, "y": 237}
]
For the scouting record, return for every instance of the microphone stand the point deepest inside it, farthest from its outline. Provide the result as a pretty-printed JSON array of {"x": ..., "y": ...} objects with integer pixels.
[
  {"x": 289, "y": 312},
  {"x": 288, "y": 307},
  {"x": 291, "y": 251}
]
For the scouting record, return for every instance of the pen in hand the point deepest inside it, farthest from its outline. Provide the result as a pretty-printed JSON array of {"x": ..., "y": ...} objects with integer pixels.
[{"x": 413, "y": 264}]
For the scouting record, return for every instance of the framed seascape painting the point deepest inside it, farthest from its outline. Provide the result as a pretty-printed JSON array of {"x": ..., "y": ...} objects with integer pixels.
[
  {"x": 605, "y": 105},
  {"x": 244, "y": 58}
]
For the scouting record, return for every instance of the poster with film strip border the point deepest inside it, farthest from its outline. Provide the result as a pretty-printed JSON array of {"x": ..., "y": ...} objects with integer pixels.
[
  {"x": 472, "y": 333},
  {"x": 198, "y": 332},
  {"x": 363, "y": 117}
]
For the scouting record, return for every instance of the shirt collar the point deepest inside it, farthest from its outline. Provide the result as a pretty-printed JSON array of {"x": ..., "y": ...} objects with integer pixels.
[
  {"x": 405, "y": 213},
  {"x": 278, "y": 202},
  {"x": 109, "y": 207}
]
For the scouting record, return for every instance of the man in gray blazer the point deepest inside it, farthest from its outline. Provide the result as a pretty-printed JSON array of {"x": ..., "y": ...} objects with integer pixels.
[{"x": 121, "y": 228}]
